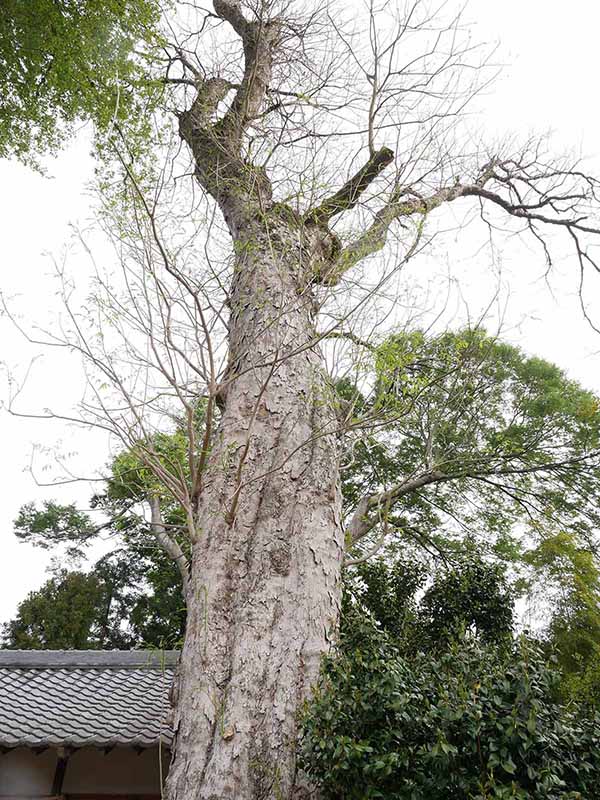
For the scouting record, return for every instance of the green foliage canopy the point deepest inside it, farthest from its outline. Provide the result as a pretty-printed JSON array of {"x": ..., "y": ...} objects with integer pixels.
[
  {"x": 130, "y": 598},
  {"x": 461, "y": 434},
  {"x": 66, "y": 61},
  {"x": 424, "y": 612}
]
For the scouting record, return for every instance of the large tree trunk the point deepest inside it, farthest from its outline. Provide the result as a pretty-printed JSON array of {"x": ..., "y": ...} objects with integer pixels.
[{"x": 265, "y": 582}]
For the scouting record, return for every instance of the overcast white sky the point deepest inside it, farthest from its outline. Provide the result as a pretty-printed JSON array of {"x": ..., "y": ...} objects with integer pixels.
[{"x": 550, "y": 49}]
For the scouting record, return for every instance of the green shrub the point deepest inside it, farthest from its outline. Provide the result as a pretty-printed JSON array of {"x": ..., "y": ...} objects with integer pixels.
[{"x": 473, "y": 722}]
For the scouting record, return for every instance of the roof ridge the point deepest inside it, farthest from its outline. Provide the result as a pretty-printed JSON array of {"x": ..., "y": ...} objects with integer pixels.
[{"x": 88, "y": 659}]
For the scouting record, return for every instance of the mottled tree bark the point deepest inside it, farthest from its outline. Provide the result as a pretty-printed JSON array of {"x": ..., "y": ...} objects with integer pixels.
[
  {"x": 265, "y": 582},
  {"x": 264, "y": 589}
]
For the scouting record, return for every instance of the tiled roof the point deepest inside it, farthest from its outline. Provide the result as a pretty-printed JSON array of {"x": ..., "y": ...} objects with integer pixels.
[{"x": 78, "y": 698}]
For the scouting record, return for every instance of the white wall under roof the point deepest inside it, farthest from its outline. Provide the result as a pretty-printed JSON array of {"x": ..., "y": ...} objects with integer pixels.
[{"x": 24, "y": 774}]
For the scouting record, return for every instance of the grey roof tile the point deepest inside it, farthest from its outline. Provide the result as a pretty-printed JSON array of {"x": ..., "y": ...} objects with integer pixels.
[{"x": 85, "y": 698}]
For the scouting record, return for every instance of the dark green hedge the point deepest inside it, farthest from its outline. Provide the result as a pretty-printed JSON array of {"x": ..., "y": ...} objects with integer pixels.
[{"x": 473, "y": 722}]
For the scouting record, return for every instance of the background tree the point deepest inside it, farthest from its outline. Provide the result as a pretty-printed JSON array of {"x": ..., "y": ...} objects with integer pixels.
[
  {"x": 572, "y": 632},
  {"x": 401, "y": 600},
  {"x": 66, "y": 613},
  {"x": 129, "y": 599},
  {"x": 315, "y": 147},
  {"x": 469, "y": 411},
  {"x": 138, "y": 596}
]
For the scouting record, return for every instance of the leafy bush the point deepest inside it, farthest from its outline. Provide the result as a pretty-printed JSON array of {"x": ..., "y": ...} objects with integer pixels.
[{"x": 473, "y": 723}]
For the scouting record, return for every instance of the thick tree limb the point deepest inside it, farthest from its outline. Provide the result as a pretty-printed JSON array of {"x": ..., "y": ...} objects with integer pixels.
[
  {"x": 217, "y": 144},
  {"x": 549, "y": 207},
  {"x": 210, "y": 93},
  {"x": 231, "y": 12},
  {"x": 259, "y": 40},
  {"x": 347, "y": 197},
  {"x": 168, "y": 544},
  {"x": 365, "y": 517}
]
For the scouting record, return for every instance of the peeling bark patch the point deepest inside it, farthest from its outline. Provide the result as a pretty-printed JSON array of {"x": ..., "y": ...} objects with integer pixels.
[{"x": 280, "y": 556}]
